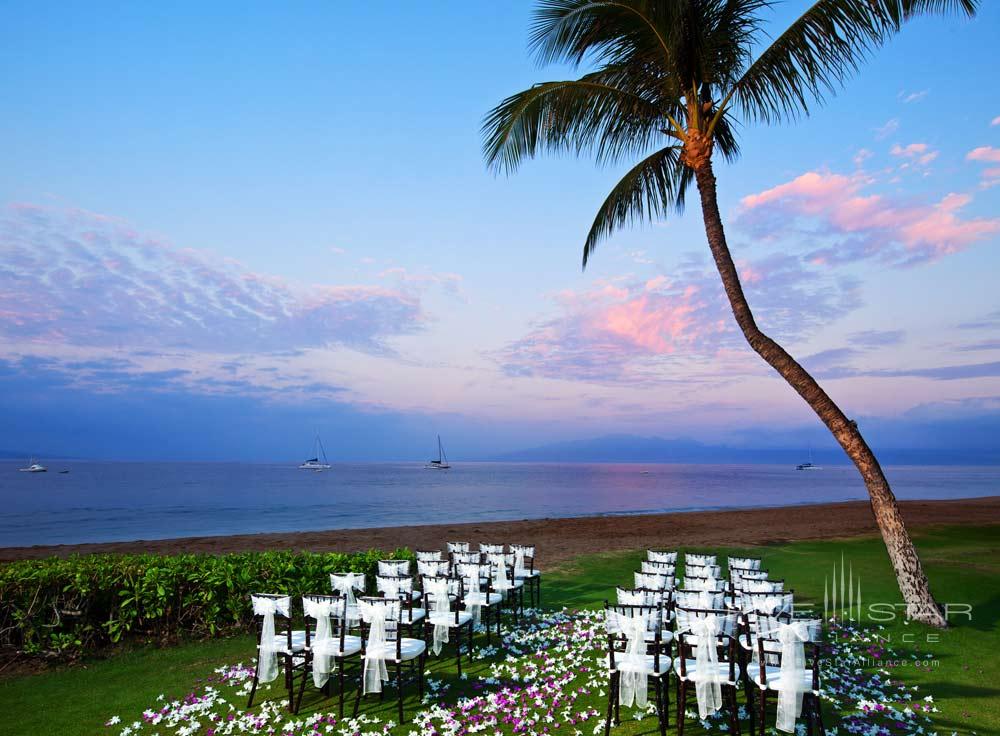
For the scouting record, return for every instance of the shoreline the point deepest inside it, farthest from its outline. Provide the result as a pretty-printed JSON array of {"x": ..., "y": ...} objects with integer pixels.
[{"x": 560, "y": 539}]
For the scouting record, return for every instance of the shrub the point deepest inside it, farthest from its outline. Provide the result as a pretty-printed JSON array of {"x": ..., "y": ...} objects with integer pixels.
[{"x": 81, "y": 604}]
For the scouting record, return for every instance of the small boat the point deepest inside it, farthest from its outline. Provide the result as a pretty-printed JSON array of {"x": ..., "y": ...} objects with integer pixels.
[
  {"x": 442, "y": 462},
  {"x": 34, "y": 467},
  {"x": 314, "y": 463},
  {"x": 809, "y": 465}
]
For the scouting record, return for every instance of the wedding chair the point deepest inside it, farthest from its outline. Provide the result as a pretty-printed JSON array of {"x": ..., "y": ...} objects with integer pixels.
[
  {"x": 394, "y": 567},
  {"x": 787, "y": 663},
  {"x": 637, "y": 653},
  {"x": 505, "y": 582},
  {"x": 692, "y": 559},
  {"x": 478, "y": 595},
  {"x": 277, "y": 650},
  {"x": 401, "y": 587},
  {"x": 663, "y": 568},
  {"x": 653, "y": 581},
  {"x": 647, "y": 597},
  {"x": 704, "y": 583},
  {"x": 746, "y": 563},
  {"x": 702, "y": 571},
  {"x": 760, "y": 615},
  {"x": 328, "y": 646},
  {"x": 432, "y": 568},
  {"x": 428, "y": 555},
  {"x": 524, "y": 569},
  {"x": 653, "y": 555},
  {"x": 444, "y": 614},
  {"x": 490, "y": 549},
  {"x": 707, "y": 658},
  {"x": 349, "y": 585},
  {"x": 457, "y": 547},
  {"x": 383, "y": 644}
]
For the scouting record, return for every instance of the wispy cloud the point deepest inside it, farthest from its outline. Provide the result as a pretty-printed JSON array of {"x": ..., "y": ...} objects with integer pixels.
[
  {"x": 75, "y": 278},
  {"x": 860, "y": 225},
  {"x": 621, "y": 330},
  {"x": 886, "y": 130},
  {"x": 909, "y": 97}
]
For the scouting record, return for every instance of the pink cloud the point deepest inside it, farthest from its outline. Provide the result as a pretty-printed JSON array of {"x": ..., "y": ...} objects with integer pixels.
[
  {"x": 921, "y": 153},
  {"x": 984, "y": 153},
  {"x": 995, "y": 121},
  {"x": 875, "y": 225}
]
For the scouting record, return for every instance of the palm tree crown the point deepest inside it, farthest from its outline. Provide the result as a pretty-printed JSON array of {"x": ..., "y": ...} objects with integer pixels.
[{"x": 672, "y": 78}]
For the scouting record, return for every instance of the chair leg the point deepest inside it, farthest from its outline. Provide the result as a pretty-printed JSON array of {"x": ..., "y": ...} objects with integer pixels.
[
  {"x": 340, "y": 678},
  {"x": 658, "y": 683},
  {"x": 681, "y": 705},
  {"x": 361, "y": 688},
  {"x": 290, "y": 684},
  {"x": 302, "y": 687},
  {"x": 420, "y": 677},
  {"x": 458, "y": 649},
  {"x": 253, "y": 687},
  {"x": 618, "y": 702},
  {"x": 399, "y": 687},
  {"x": 734, "y": 714},
  {"x": 612, "y": 686},
  {"x": 748, "y": 687},
  {"x": 485, "y": 614},
  {"x": 819, "y": 714},
  {"x": 666, "y": 700},
  {"x": 761, "y": 712}
]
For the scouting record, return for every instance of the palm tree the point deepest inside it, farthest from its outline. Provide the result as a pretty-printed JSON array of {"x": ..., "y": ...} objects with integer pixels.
[{"x": 671, "y": 79}]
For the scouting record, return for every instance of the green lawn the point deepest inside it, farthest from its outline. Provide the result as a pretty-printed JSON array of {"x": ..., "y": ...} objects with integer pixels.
[{"x": 963, "y": 676}]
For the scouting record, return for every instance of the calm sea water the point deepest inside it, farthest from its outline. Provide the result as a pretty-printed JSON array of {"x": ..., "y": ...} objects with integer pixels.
[{"x": 99, "y": 502}]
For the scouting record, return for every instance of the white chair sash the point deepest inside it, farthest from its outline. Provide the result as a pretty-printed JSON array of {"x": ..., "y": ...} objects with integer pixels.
[
  {"x": 376, "y": 648},
  {"x": 267, "y": 654},
  {"x": 708, "y": 686},
  {"x": 498, "y": 565},
  {"x": 519, "y": 571},
  {"x": 790, "y": 684},
  {"x": 440, "y": 608},
  {"x": 473, "y": 598},
  {"x": 323, "y": 662},
  {"x": 632, "y": 667}
]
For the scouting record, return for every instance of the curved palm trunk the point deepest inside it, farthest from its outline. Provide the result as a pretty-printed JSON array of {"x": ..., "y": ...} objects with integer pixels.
[{"x": 920, "y": 604}]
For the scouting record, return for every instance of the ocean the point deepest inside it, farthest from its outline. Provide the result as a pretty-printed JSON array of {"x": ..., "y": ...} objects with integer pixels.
[{"x": 122, "y": 501}]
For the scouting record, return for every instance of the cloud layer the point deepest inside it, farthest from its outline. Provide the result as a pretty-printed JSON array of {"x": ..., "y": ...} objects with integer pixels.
[
  {"x": 69, "y": 277},
  {"x": 852, "y": 225}
]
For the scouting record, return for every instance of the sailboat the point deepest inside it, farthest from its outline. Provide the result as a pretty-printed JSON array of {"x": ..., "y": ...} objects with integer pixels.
[
  {"x": 314, "y": 463},
  {"x": 809, "y": 465},
  {"x": 34, "y": 467},
  {"x": 442, "y": 462}
]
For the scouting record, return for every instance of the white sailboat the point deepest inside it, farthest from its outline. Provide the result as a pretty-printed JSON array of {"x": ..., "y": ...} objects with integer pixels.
[
  {"x": 34, "y": 467},
  {"x": 442, "y": 462},
  {"x": 314, "y": 463},
  {"x": 809, "y": 465}
]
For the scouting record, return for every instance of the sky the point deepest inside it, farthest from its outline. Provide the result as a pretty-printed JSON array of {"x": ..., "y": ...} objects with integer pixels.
[{"x": 225, "y": 228}]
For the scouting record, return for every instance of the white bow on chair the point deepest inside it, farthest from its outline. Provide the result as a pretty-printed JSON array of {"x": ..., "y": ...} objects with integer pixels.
[
  {"x": 500, "y": 582},
  {"x": 632, "y": 684},
  {"x": 267, "y": 669},
  {"x": 375, "y": 670},
  {"x": 519, "y": 571},
  {"x": 708, "y": 686},
  {"x": 344, "y": 584},
  {"x": 790, "y": 684},
  {"x": 440, "y": 607},
  {"x": 323, "y": 642},
  {"x": 473, "y": 598}
]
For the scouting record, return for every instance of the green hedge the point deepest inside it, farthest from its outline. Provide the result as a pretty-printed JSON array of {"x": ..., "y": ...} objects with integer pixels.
[{"x": 86, "y": 603}]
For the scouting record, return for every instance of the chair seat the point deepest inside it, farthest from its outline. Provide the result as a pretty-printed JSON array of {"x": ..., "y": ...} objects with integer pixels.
[
  {"x": 298, "y": 642},
  {"x": 648, "y": 664},
  {"x": 665, "y": 636},
  {"x": 527, "y": 574},
  {"x": 331, "y": 647},
  {"x": 479, "y": 599},
  {"x": 411, "y": 615},
  {"x": 409, "y": 649},
  {"x": 448, "y": 619},
  {"x": 692, "y": 674},
  {"x": 772, "y": 676}
]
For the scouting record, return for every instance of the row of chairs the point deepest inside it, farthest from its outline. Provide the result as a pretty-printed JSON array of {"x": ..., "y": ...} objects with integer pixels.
[
  {"x": 714, "y": 637},
  {"x": 390, "y": 621}
]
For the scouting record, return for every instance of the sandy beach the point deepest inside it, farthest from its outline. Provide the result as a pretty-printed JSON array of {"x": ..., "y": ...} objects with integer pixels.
[{"x": 561, "y": 539}]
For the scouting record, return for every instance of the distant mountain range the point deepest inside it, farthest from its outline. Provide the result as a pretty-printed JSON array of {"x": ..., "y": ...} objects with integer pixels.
[{"x": 621, "y": 448}]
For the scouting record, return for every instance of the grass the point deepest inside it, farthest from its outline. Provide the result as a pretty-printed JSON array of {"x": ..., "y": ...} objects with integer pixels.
[{"x": 963, "y": 673}]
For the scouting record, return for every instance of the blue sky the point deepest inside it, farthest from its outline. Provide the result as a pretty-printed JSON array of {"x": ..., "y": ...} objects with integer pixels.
[{"x": 226, "y": 227}]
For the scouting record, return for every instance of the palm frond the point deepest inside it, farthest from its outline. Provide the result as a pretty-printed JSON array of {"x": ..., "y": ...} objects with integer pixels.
[
  {"x": 822, "y": 49},
  {"x": 648, "y": 191},
  {"x": 584, "y": 114}
]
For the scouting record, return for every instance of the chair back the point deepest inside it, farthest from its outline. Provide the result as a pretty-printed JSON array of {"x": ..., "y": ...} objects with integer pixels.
[
  {"x": 524, "y": 558},
  {"x": 702, "y": 571},
  {"x": 760, "y": 586},
  {"x": 704, "y": 583},
  {"x": 458, "y": 547},
  {"x": 432, "y": 568},
  {"x": 490, "y": 549},
  {"x": 636, "y": 628},
  {"x": 693, "y": 629},
  {"x": 693, "y": 559},
  {"x": 745, "y": 563},
  {"x": 653, "y": 555},
  {"x": 395, "y": 586},
  {"x": 653, "y": 581},
  {"x": 429, "y": 555},
  {"x": 661, "y": 568},
  {"x": 389, "y": 610},
  {"x": 474, "y": 577},
  {"x": 269, "y": 607},
  {"x": 465, "y": 558},
  {"x": 394, "y": 567},
  {"x": 704, "y": 599},
  {"x": 325, "y": 615}
]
